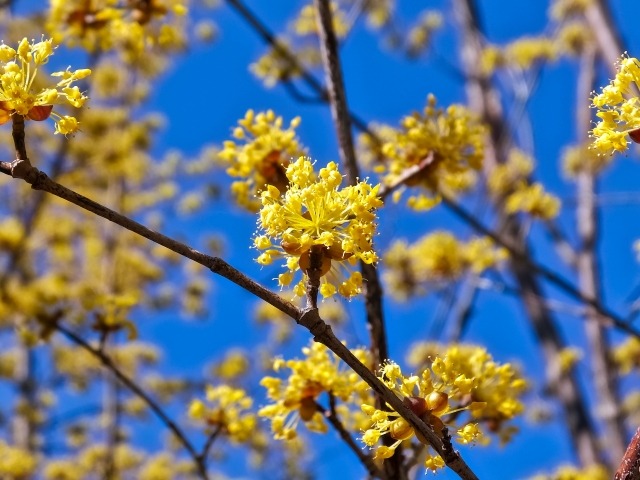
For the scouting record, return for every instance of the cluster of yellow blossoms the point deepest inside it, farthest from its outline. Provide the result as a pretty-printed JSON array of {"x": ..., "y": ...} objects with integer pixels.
[
  {"x": 455, "y": 379},
  {"x": 419, "y": 36},
  {"x": 618, "y": 109},
  {"x": 446, "y": 145},
  {"x": 568, "y": 472},
  {"x": 522, "y": 53},
  {"x": 109, "y": 24},
  {"x": 261, "y": 155},
  {"x": 510, "y": 184},
  {"x": 295, "y": 398},
  {"x": 561, "y": 9},
  {"x": 577, "y": 159},
  {"x": 436, "y": 257},
  {"x": 18, "y": 92},
  {"x": 226, "y": 411},
  {"x": 316, "y": 222}
]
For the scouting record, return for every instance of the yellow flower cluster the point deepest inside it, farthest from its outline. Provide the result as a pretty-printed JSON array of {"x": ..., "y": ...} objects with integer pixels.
[
  {"x": 317, "y": 225},
  {"x": 18, "y": 94},
  {"x": 420, "y": 35},
  {"x": 294, "y": 398},
  {"x": 573, "y": 37},
  {"x": 580, "y": 158},
  {"x": 16, "y": 463},
  {"x": 261, "y": 155},
  {"x": 569, "y": 472},
  {"x": 378, "y": 12},
  {"x": 618, "y": 109},
  {"x": 626, "y": 356},
  {"x": 275, "y": 66},
  {"x": 455, "y": 139},
  {"x": 462, "y": 378},
  {"x": 306, "y": 23},
  {"x": 510, "y": 184},
  {"x": 561, "y": 9},
  {"x": 226, "y": 412},
  {"x": 109, "y": 24},
  {"x": 436, "y": 257},
  {"x": 523, "y": 53},
  {"x": 265, "y": 313}
]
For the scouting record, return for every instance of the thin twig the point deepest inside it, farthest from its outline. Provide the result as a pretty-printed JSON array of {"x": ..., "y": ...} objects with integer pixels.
[
  {"x": 268, "y": 37},
  {"x": 342, "y": 123},
  {"x": 208, "y": 444},
  {"x": 136, "y": 389},
  {"x": 332, "y": 417},
  {"x": 540, "y": 269},
  {"x": 408, "y": 174}
]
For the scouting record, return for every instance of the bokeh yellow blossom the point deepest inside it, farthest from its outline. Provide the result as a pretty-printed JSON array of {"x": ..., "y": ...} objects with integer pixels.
[
  {"x": 410, "y": 269},
  {"x": 569, "y": 472},
  {"x": 315, "y": 220},
  {"x": 259, "y": 155},
  {"x": 626, "y": 355},
  {"x": 577, "y": 159},
  {"x": 132, "y": 27},
  {"x": 562, "y": 9},
  {"x": 16, "y": 463},
  {"x": 446, "y": 145},
  {"x": 19, "y": 95},
  {"x": 460, "y": 379},
  {"x": 618, "y": 109},
  {"x": 420, "y": 35},
  {"x": 294, "y": 398},
  {"x": 226, "y": 410},
  {"x": 298, "y": 48},
  {"x": 510, "y": 184}
]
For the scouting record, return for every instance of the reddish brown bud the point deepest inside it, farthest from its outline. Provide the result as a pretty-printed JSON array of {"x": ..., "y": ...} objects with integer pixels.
[
  {"x": 635, "y": 135},
  {"x": 40, "y": 112}
]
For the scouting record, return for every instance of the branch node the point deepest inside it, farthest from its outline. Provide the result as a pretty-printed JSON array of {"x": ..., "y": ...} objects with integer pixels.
[{"x": 310, "y": 319}]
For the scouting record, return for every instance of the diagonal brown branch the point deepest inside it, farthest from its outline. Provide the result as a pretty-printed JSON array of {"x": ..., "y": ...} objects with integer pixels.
[
  {"x": 137, "y": 390},
  {"x": 308, "y": 318}
]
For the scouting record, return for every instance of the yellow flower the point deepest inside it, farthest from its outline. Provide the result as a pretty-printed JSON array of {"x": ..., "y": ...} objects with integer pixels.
[
  {"x": 316, "y": 220},
  {"x": 510, "y": 184},
  {"x": 448, "y": 145},
  {"x": 132, "y": 27},
  {"x": 294, "y": 398},
  {"x": 18, "y": 94},
  {"x": 260, "y": 155},
  {"x": 226, "y": 411},
  {"x": 569, "y": 472},
  {"x": 618, "y": 109},
  {"x": 435, "y": 258},
  {"x": 463, "y": 379}
]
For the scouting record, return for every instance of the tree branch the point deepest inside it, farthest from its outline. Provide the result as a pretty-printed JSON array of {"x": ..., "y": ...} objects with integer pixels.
[
  {"x": 307, "y": 318},
  {"x": 136, "y": 389}
]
